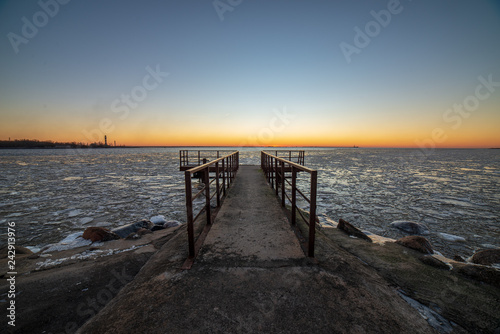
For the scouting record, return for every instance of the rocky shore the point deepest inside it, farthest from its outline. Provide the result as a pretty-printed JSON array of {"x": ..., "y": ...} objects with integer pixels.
[{"x": 62, "y": 291}]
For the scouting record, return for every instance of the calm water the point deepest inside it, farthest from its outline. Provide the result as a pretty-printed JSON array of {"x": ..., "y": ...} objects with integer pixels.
[{"x": 52, "y": 193}]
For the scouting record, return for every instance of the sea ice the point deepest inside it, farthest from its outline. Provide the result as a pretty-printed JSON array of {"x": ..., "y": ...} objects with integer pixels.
[
  {"x": 160, "y": 219},
  {"x": 85, "y": 220},
  {"x": 451, "y": 237},
  {"x": 74, "y": 213},
  {"x": 73, "y": 240}
]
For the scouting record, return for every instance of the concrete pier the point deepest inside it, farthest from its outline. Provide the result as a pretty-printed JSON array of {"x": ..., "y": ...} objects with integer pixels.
[{"x": 251, "y": 276}]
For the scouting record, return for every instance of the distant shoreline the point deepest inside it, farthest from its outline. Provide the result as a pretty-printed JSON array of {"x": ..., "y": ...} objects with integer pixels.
[
  {"x": 222, "y": 147},
  {"x": 36, "y": 144}
]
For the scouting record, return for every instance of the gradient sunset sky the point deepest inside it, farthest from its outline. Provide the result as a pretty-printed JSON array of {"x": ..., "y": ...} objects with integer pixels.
[{"x": 252, "y": 72}]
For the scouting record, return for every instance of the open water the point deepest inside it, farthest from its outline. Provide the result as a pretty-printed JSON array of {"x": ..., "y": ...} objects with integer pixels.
[{"x": 53, "y": 193}]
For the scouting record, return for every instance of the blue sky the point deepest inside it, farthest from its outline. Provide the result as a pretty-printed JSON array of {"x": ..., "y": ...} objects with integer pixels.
[{"x": 227, "y": 78}]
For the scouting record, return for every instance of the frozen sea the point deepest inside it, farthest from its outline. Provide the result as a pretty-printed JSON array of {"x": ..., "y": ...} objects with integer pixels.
[{"x": 53, "y": 193}]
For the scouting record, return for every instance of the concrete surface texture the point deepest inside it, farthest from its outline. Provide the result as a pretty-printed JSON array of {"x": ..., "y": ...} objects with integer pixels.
[{"x": 251, "y": 276}]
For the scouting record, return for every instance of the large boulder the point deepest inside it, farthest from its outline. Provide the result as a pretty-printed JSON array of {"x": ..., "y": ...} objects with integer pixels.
[
  {"x": 485, "y": 274},
  {"x": 352, "y": 230},
  {"x": 486, "y": 257},
  {"x": 410, "y": 227},
  {"x": 432, "y": 261},
  {"x": 99, "y": 234},
  {"x": 126, "y": 230},
  {"x": 417, "y": 243}
]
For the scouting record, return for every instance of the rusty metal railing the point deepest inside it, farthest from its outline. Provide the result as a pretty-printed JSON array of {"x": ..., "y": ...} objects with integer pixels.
[
  {"x": 224, "y": 170},
  {"x": 192, "y": 158},
  {"x": 278, "y": 171},
  {"x": 290, "y": 155}
]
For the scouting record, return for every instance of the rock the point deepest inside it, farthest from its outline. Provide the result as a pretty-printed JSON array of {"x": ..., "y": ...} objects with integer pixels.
[
  {"x": 126, "y": 230},
  {"x": 410, "y": 227},
  {"x": 417, "y": 243},
  {"x": 143, "y": 231},
  {"x": 172, "y": 223},
  {"x": 20, "y": 250},
  {"x": 486, "y": 257},
  {"x": 140, "y": 232},
  {"x": 23, "y": 250},
  {"x": 158, "y": 220},
  {"x": 451, "y": 237},
  {"x": 480, "y": 273},
  {"x": 157, "y": 228},
  {"x": 99, "y": 234},
  {"x": 432, "y": 261},
  {"x": 133, "y": 236},
  {"x": 351, "y": 230}
]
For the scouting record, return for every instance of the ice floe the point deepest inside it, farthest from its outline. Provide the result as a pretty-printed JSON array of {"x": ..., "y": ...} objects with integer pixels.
[{"x": 451, "y": 237}]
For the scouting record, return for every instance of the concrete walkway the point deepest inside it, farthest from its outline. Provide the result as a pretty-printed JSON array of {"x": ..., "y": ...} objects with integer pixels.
[
  {"x": 251, "y": 225},
  {"x": 251, "y": 276}
]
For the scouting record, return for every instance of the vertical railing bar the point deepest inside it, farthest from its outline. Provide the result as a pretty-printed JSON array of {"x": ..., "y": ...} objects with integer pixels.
[
  {"x": 271, "y": 171},
  {"x": 294, "y": 195},
  {"x": 223, "y": 178},
  {"x": 282, "y": 184},
  {"x": 217, "y": 185},
  {"x": 206, "y": 176},
  {"x": 276, "y": 175},
  {"x": 312, "y": 213},
  {"x": 189, "y": 211}
]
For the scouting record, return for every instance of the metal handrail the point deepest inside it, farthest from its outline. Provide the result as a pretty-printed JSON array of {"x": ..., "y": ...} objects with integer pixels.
[
  {"x": 191, "y": 158},
  {"x": 225, "y": 168},
  {"x": 296, "y": 156},
  {"x": 275, "y": 169}
]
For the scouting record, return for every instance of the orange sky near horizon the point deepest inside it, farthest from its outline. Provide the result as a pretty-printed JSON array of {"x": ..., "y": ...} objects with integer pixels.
[
  {"x": 438, "y": 137},
  {"x": 476, "y": 131}
]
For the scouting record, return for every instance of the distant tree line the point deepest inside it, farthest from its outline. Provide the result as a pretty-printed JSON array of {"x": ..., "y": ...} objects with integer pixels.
[{"x": 33, "y": 143}]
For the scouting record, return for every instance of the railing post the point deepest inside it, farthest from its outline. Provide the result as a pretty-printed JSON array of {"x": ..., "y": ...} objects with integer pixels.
[
  {"x": 271, "y": 175},
  {"x": 217, "y": 185},
  {"x": 282, "y": 184},
  {"x": 206, "y": 177},
  {"x": 224, "y": 177},
  {"x": 312, "y": 214},
  {"x": 294, "y": 195},
  {"x": 189, "y": 211},
  {"x": 276, "y": 175},
  {"x": 230, "y": 163}
]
